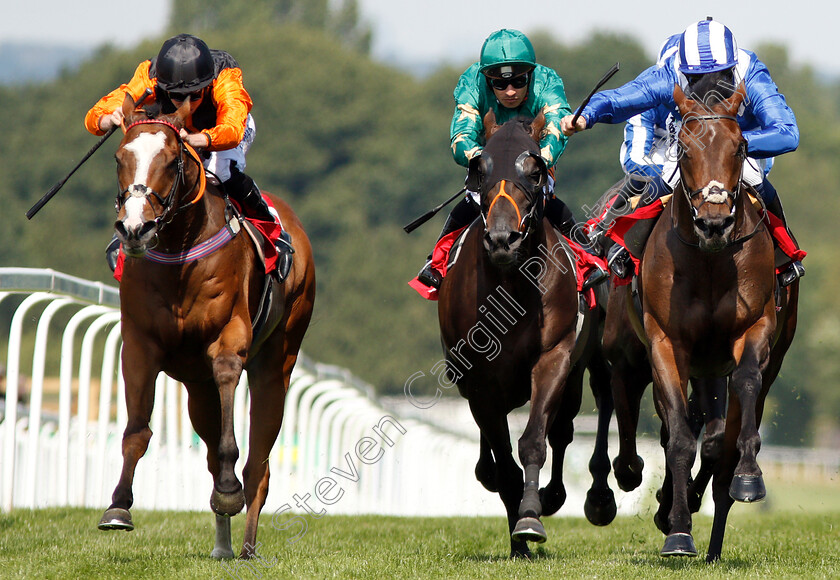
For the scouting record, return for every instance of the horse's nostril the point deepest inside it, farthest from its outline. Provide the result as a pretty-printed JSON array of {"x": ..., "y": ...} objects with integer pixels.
[
  {"x": 701, "y": 225},
  {"x": 514, "y": 237}
]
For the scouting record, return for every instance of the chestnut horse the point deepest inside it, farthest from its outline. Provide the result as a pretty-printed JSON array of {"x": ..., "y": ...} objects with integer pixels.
[
  {"x": 193, "y": 321},
  {"x": 708, "y": 294},
  {"x": 510, "y": 337}
]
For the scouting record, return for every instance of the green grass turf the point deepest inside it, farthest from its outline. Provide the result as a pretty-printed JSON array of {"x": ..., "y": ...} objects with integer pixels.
[{"x": 64, "y": 543}]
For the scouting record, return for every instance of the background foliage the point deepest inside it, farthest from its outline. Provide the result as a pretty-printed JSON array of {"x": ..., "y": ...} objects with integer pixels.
[{"x": 360, "y": 148}]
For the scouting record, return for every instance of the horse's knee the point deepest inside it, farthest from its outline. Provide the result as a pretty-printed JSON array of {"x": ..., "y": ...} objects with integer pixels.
[
  {"x": 628, "y": 474},
  {"x": 712, "y": 447},
  {"x": 532, "y": 449},
  {"x": 227, "y": 369},
  {"x": 485, "y": 473}
]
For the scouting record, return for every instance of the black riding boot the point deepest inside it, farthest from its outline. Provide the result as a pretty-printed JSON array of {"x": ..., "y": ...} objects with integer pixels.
[
  {"x": 561, "y": 217},
  {"x": 630, "y": 188},
  {"x": 242, "y": 189},
  {"x": 461, "y": 216},
  {"x": 618, "y": 258},
  {"x": 796, "y": 270},
  {"x": 112, "y": 252}
]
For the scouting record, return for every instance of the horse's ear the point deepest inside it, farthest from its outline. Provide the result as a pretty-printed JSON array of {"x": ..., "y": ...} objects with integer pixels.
[
  {"x": 679, "y": 96},
  {"x": 183, "y": 113},
  {"x": 474, "y": 174},
  {"x": 733, "y": 103},
  {"x": 490, "y": 125},
  {"x": 128, "y": 107},
  {"x": 537, "y": 127}
]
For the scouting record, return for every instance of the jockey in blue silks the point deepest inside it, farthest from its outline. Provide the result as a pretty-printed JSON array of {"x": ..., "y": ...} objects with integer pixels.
[{"x": 648, "y": 153}]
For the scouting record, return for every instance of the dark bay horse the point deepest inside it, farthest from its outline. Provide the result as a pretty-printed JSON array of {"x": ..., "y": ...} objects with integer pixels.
[
  {"x": 193, "y": 320},
  {"x": 512, "y": 336},
  {"x": 709, "y": 304}
]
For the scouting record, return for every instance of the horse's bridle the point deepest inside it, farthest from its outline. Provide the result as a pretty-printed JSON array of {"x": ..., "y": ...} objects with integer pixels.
[
  {"x": 690, "y": 194},
  {"x": 533, "y": 193},
  {"x": 140, "y": 190},
  {"x": 741, "y": 154}
]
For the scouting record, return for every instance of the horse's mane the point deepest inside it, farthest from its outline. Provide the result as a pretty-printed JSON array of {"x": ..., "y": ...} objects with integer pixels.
[{"x": 711, "y": 88}]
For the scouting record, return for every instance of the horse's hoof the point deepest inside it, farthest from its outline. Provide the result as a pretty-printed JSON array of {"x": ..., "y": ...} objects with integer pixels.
[
  {"x": 679, "y": 545},
  {"x": 227, "y": 504},
  {"x": 629, "y": 476},
  {"x": 529, "y": 530},
  {"x": 116, "y": 519},
  {"x": 747, "y": 488},
  {"x": 600, "y": 508},
  {"x": 520, "y": 552},
  {"x": 552, "y": 498},
  {"x": 221, "y": 554}
]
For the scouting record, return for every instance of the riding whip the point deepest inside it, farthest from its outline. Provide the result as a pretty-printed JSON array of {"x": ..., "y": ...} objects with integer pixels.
[
  {"x": 430, "y": 214},
  {"x": 49, "y": 195},
  {"x": 585, "y": 102}
]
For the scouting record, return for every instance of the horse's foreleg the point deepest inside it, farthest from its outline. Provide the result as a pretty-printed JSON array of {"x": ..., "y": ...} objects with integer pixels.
[
  {"x": 227, "y": 497},
  {"x": 670, "y": 380},
  {"x": 707, "y": 406},
  {"x": 492, "y": 422},
  {"x": 600, "y": 508},
  {"x": 548, "y": 384},
  {"x": 630, "y": 375},
  {"x": 746, "y": 385},
  {"x": 139, "y": 397},
  {"x": 485, "y": 467},
  {"x": 628, "y": 385},
  {"x": 205, "y": 415}
]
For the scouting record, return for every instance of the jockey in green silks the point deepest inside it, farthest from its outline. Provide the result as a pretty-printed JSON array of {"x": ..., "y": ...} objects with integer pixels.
[{"x": 508, "y": 80}]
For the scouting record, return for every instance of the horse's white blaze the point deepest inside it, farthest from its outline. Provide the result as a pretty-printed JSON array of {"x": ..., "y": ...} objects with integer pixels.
[
  {"x": 717, "y": 197},
  {"x": 134, "y": 207},
  {"x": 145, "y": 148}
]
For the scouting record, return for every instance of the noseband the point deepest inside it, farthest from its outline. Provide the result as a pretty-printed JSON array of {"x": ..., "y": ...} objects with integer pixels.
[{"x": 166, "y": 202}]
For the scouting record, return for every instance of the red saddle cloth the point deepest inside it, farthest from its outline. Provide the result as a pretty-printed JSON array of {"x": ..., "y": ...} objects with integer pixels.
[
  {"x": 584, "y": 262},
  {"x": 623, "y": 225},
  {"x": 270, "y": 231}
]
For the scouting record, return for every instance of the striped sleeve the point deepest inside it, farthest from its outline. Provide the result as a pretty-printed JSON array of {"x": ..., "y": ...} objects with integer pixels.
[{"x": 638, "y": 142}]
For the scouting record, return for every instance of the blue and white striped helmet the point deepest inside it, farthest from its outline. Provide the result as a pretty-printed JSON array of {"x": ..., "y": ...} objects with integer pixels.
[{"x": 707, "y": 46}]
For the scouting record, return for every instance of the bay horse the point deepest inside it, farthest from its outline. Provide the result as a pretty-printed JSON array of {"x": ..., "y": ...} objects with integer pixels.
[
  {"x": 709, "y": 302},
  {"x": 509, "y": 340},
  {"x": 193, "y": 321}
]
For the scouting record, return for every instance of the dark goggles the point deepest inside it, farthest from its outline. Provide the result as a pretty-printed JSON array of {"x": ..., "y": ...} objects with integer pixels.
[
  {"x": 516, "y": 82},
  {"x": 181, "y": 97}
]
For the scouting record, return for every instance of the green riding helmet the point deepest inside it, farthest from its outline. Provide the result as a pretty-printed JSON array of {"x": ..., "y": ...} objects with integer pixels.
[{"x": 507, "y": 53}]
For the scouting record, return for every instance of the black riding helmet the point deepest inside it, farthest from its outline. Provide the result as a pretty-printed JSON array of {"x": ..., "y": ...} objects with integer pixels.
[{"x": 184, "y": 65}]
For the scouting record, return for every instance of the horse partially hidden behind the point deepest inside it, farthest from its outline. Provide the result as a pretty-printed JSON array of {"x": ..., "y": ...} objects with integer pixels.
[
  {"x": 193, "y": 320},
  {"x": 709, "y": 300},
  {"x": 509, "y": 340}
]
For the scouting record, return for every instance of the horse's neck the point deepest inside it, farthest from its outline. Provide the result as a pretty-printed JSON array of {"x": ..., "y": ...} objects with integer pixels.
[{"x": 194, "y": 223}]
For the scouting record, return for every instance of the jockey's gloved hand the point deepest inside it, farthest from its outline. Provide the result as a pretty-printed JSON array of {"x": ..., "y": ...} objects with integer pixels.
[{"x": 107, "y": 122}]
